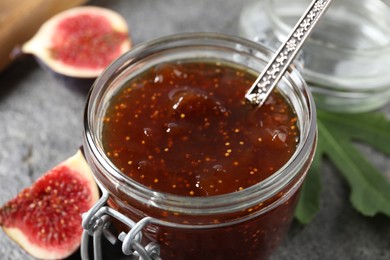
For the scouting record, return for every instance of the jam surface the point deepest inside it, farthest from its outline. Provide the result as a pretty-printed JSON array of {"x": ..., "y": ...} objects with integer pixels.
[{"x": 184, "y": 128}]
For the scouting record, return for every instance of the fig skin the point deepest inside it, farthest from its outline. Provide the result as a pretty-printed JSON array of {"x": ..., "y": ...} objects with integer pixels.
[
  {"x": 64, "y": 193},
  {"x": 44, "y": 45}
]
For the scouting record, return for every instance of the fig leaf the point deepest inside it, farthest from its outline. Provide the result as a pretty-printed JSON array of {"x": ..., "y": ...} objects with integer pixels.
[{"x": 337, "y": 135}]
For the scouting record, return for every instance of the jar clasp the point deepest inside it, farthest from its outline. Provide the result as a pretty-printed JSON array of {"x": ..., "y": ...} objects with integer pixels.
[{"x": 96, "y": 222}]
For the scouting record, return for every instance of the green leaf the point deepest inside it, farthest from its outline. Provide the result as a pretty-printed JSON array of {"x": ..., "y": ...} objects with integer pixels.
[
  {"x": 370, "y": 191},
  {"x": 309, "y": 203},
  {"x": 371, "y": 128}
]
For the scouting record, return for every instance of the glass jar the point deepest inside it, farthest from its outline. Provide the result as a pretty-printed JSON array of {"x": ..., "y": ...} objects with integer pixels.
[
  {"x": 246, "y": 224},
  {"x": 345, "y": 58}
]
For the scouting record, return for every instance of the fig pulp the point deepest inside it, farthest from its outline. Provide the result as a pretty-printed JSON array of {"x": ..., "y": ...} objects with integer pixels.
[
  {"x": 80, "y": 42},
  {"x": 45, "y": 219}
]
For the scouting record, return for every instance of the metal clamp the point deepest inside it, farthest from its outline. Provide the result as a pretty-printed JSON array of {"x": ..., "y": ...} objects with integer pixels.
[{"x": 95, "y": 223}]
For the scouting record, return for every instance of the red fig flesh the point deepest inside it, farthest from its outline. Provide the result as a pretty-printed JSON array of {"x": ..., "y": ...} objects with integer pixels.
[
  {"x": 45, "y": 219},
  {"x": 81, "y": 41}
]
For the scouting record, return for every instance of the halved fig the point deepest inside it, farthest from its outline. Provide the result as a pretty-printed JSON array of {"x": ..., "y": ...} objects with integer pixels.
[
  {"x": 45, "y": 218},
  {"x": 80, "y": 42}
]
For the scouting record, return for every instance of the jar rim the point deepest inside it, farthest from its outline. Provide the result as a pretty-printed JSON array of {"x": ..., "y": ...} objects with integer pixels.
[{"x": 199, "y": 204}]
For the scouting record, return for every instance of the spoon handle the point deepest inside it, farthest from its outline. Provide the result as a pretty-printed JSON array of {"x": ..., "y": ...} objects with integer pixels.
[{"x": 278, "y": 65}]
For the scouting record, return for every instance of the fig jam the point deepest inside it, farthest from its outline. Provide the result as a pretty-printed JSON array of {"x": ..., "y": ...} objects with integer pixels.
[
  {"x": 184, "y": 128},
  {"x": 183, "y": 159}
]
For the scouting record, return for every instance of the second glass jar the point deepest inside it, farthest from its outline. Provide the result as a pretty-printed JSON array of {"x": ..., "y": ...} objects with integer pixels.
[{"x": 345, "y": 58}]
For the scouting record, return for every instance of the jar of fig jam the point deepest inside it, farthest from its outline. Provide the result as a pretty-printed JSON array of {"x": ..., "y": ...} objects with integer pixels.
[{"x": 188, "y": 169}]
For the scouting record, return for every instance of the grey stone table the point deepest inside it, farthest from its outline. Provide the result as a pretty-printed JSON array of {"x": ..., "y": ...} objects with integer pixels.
[{"x": 41, "y": 120}]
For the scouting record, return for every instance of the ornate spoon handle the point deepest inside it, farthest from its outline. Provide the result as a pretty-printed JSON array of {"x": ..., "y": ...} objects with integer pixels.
[{"x": 278, "y": 65}]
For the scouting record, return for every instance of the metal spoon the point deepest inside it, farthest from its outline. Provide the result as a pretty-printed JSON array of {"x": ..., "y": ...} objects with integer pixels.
[{"x": 278, "y": 65}]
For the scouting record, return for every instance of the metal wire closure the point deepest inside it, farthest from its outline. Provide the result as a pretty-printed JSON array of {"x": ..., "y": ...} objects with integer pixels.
[
  {"x": 275, "y": 69},
  {"x": 95, "y": 223}
]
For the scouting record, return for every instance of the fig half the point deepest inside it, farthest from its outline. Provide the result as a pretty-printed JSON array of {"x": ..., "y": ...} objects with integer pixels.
[
  {"x": 45, "y": 218},
  {"x": 80, "y": 42}
]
